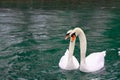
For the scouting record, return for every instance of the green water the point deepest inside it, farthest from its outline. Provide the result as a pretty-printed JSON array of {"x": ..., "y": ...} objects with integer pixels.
[{"x": 32, "y": 42}]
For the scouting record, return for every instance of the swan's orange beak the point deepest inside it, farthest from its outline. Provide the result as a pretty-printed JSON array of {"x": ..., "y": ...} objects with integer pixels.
[
  {"x": 66, "y": 37},
  {"x": 73, "y": 38}
]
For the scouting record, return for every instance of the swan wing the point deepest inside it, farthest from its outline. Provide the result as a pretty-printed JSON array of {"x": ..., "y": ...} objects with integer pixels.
[
  {"x": 63, "y": 60},
  {"x": 68, "y": 65},
  {"x": 95, "y": 61},
  {"x": 75, "y": 61}
]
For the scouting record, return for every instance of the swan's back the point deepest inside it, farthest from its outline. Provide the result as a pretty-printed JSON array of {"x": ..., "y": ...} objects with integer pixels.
[{"x": 95, "y": 61}]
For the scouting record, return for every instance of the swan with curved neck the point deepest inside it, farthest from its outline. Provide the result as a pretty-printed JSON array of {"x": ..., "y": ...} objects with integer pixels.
[
  {"x": 68, "y": 61},
  {"x": 92, "y": 62}
]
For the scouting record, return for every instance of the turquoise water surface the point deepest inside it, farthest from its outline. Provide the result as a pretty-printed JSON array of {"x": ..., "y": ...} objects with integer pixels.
[{"x": 32, "y": 42}]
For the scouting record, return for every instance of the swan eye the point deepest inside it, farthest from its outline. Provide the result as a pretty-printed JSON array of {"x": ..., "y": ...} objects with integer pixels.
[
  {"x": 73, "y": 35},
  {"x": 67, "y": 34}
]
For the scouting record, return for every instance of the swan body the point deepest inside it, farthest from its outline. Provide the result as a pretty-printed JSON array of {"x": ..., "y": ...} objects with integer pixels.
[
  {"x": 68, "y": 61},
  {"x": 94, "y": 61},
  {"x": 68, "y": 64}
]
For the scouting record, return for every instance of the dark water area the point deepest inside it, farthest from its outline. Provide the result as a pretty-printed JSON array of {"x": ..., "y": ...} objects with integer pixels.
[
  {"x": 58, "y": 4},
  {"x": 32, "y": 39}
]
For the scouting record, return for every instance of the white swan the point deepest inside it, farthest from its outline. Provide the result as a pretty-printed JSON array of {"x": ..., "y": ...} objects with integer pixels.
[
  {"x": 92, "y": 62},
  {"x": 68, "y": 61}
]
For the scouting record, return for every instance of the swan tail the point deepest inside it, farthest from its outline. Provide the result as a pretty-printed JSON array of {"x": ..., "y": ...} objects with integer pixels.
[{"x": 104, "y": 53}]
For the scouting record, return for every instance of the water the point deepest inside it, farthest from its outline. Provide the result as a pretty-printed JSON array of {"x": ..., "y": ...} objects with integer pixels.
[{"x": 32, "y": 42}]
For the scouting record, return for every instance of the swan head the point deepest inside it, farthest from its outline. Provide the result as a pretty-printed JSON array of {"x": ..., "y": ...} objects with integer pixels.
[
  {"x": 75, "y": 32},
  {"x": 73, "y": 36},
  {"x": 68, "y": 34}
]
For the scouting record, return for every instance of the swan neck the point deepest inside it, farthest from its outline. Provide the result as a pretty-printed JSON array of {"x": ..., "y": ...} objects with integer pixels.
[
  {"x": 71, "y": 49},
  {"x": 83, "y": 45}
]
